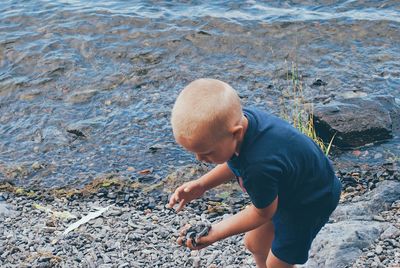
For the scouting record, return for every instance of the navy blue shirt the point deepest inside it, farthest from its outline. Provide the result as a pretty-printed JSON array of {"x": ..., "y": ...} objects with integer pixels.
[{"x": 275, "y": 159}]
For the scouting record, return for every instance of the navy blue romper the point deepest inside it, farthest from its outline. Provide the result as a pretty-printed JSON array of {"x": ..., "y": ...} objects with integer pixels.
[{"x": 276, "y": 160}]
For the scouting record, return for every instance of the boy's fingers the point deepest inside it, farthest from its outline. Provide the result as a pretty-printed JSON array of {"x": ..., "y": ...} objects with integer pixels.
[
  {"x": 183, "y": 231},
  {"x": 190, "y": 245},
  {"x": 179, "y": 240},
  {"x": 170, "y": 204},
  {"x": 174, "y": 198},
  {"x": 181, "y": 205},
  {"x": 172, "y": 201},
  {"x": 177, "y": 197}
]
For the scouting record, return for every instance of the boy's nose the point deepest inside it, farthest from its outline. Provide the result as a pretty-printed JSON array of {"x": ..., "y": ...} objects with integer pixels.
[{"x": 201, "y": 158}]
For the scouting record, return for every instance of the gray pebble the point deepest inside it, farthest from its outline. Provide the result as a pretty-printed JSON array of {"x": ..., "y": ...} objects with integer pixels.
[{"x": 378, "y": 249}]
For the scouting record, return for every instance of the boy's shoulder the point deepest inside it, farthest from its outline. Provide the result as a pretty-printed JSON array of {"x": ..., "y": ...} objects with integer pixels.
[
  {"x": 268, "y": 137},
  {"x": 261, "y": 120},
  {"x": 267, "y": 129}
]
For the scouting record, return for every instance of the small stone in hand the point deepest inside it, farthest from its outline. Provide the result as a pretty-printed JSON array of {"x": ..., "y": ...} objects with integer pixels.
[{"x": 195, "y": 231}]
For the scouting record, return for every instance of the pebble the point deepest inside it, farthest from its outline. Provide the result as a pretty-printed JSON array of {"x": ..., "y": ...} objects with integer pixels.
[
  {"x": 378, "y": 218},
  {"x": 36, "y": 166},
  {"x": 378, "y": 249}
]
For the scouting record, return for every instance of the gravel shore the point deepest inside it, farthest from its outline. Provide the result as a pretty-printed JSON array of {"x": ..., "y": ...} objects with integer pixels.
[
  {"x": 136, "y": 230},
  {"x": 140, "y": 235}
]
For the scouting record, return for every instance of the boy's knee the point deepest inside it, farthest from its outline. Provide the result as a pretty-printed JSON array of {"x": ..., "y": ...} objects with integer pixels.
[
  {"x": 248, "y": 243},
  {"x": 251, "y": 243},
  {"x": 258, "y": 241}
]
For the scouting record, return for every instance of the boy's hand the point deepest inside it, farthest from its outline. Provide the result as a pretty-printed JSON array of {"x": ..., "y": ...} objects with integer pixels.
[
  {"x": 186, "y": 193},
  {"x": 200, "y": 242}
]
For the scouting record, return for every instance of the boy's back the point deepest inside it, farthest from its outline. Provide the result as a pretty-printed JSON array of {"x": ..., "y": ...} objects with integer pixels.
[{"x": 276, "y": 159}]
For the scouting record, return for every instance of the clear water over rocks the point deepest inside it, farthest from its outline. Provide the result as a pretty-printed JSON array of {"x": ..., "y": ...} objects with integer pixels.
[{"x": 86, "y": 87}]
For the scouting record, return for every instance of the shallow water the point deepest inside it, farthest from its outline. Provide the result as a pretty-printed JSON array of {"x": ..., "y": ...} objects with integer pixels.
[{"x": 113, "y": 69}]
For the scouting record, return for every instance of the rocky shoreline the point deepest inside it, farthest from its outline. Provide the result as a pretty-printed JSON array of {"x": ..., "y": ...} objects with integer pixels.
[{"x": 136, "y": 230}]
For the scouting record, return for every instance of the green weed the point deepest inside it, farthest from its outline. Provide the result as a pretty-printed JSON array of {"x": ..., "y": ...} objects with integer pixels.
[{"x": 301, "y": 114}]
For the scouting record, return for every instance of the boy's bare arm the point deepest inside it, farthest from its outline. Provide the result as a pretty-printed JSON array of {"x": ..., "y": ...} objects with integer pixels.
[
  {"x": 244, "y": 221},
  {"x": 194, "y": 189},
  {"x": 218, "y": 175}
]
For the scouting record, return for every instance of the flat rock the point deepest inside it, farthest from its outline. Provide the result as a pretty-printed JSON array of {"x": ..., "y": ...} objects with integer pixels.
[{"x": 357, "y": 121}]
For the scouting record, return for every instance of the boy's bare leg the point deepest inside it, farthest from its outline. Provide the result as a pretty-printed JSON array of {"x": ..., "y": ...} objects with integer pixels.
[
  {"x": 274, "y": 262},
  {"x": 258, "y": 242}
]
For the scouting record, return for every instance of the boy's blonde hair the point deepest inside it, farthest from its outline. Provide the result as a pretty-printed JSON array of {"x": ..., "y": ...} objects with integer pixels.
[{"x": 206, "y": 105}]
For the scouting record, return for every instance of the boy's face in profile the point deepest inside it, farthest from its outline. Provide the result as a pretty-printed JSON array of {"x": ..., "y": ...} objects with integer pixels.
[
  {"x": 207, "y": 120},
  {"x": 210, "y": 150}
]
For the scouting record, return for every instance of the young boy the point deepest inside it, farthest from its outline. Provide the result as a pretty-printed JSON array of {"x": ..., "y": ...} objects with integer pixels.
[{"x": 290, "y": 181}]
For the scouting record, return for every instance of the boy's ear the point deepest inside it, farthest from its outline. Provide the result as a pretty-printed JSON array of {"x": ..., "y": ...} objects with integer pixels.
[{"x": 237, "y": 131}]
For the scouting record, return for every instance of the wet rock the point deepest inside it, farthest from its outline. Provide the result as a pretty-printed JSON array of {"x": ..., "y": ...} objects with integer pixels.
[
  {"x": 36, "y": 166},
  {"x": 357, "y": 121},
  {"x": 351, "y": 94},
  {"x": 76, "y": 132},
  {"x": 84, "y": 127},
  {"x": 318, "y": 83},
  {"x": 81, "y": 96},
  {"x": 53, "y": 135},
  {"x": 157, "y": 147}
]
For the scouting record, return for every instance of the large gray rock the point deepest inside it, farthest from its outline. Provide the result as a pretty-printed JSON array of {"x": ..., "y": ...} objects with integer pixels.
[
  {"x": 357, "y": 121},
  {"x": 340, "y": 243}
]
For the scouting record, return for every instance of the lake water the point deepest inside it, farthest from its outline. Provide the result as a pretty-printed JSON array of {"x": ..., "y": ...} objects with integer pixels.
[{"x": 112, "y": 69}]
